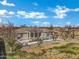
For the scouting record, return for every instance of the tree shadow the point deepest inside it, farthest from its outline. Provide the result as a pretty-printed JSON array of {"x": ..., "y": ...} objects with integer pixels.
[{"x": 2, "y": 49}]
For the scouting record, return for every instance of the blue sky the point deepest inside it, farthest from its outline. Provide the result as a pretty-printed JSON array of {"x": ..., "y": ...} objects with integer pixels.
[{"x": 40, "y": 12}]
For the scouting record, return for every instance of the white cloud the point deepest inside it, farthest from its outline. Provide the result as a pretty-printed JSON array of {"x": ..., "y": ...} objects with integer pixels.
[
  {"x": 36, "y": 22},
  {"x": 35, "y": 4},
  {"x": 36, "y": 15},
  {"x": 61, "y": 11},
  {"x": 76, "y": 25},
  {"x": 68, "y": 23},
  {"x": 6, "y": 14},
  {"x": 0, "y": 20},
  {"x": 39, "y": 23},
  {"x": 23, "y": 14},
  {"x": 75, "y": 10},
  {"x": 3, "y": 13},
  {"x": 5, "y": 3},
  {"x": 45, "y": 23},
  {"x": 11, "y": 13}
]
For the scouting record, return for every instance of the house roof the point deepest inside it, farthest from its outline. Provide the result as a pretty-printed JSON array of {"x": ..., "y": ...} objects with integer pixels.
[{"x": 40, "y": 29}]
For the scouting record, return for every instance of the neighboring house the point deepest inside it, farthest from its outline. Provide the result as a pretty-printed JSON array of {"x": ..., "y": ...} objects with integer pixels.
[{"x": 25, "y": 35}]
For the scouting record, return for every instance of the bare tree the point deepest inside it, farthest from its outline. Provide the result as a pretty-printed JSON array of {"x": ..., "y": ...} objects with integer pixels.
[{"x": 8, "y": 34}]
